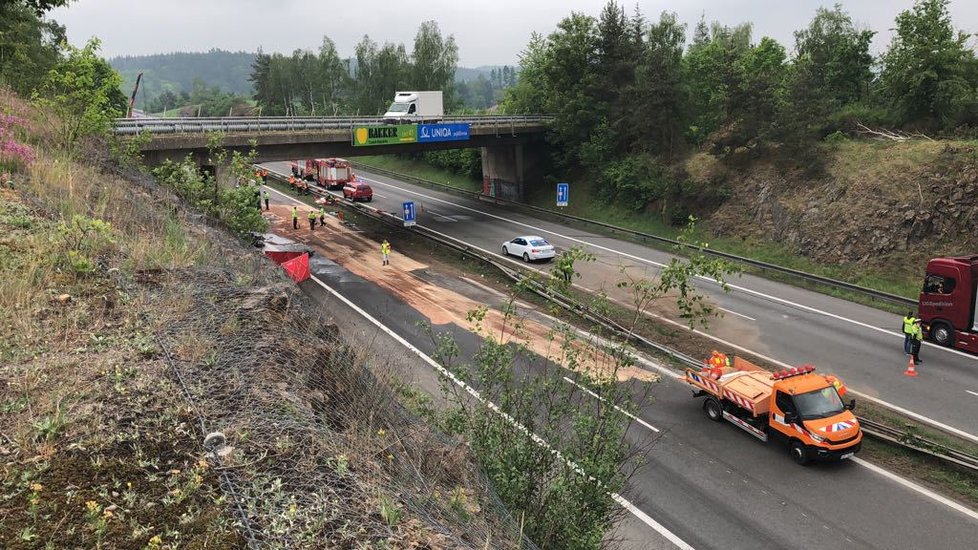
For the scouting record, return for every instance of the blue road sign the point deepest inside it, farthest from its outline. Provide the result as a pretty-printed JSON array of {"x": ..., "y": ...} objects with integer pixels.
[
  {"x": 563, "y": 193},
  {"x": 443, "y": 132},
  {"x": 409, "y": 214}
]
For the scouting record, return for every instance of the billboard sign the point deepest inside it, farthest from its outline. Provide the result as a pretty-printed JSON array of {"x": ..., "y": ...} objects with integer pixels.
[
  {"x": 385, "y": 135},
  {"x": 428, "y": 133}
]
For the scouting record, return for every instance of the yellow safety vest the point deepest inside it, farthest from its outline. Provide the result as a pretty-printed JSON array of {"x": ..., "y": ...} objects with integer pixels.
[
  {"x": 312, "y": 215},
  {"x": 295, "y": 214},
  {"x": 908, "y": 325}
]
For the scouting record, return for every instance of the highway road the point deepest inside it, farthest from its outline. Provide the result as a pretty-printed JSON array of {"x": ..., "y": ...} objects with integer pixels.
[
  {"x": 706, "y": 485},
  {"x": 779, "y": 322}
]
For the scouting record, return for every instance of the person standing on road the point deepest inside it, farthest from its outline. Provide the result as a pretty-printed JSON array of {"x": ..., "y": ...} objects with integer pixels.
[
  {"x": 918, "y": 338},
  {"x": 266, "y": 196},
  {"x": 295, "y": 217},
  {"x": 264, "y": 176},
  {"x": 908, "y": 332},
  {"x": 322, "y": 216},
  {"x": 385, "y": 251},
  {"x": 312, "y": 220}
]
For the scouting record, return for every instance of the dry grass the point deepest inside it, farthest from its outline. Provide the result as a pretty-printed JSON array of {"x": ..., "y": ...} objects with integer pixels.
[{"x": 100, "y": 447}]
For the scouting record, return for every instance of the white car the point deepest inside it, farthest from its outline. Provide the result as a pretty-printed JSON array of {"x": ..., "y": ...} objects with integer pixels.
[{"x": 529, "y": 248}]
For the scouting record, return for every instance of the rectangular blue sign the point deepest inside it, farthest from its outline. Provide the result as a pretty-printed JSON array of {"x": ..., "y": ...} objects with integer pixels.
[
  {"x": 428, "y": 133},
  {"x": 563, "y": 194},
  {"x": 409, "y": 213}
]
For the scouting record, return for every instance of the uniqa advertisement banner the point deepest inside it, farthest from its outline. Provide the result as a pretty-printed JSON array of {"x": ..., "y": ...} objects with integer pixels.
[
  {"x": 443, "y": 132},
  {"x": 385, "y": 135}
]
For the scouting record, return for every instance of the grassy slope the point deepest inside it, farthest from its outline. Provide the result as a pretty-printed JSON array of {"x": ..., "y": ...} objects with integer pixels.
[{"x": 99, "y": 445}]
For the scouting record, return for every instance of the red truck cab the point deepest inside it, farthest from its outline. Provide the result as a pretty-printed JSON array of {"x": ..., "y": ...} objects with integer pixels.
[{"x": 947, "y": 302}]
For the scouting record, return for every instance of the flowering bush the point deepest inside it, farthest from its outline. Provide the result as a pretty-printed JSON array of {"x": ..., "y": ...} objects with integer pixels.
[{"x": 13, "y": 154}]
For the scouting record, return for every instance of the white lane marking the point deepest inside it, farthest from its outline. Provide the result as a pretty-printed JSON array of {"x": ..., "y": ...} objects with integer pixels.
[
  {"x": 630, "y": 507},
  {"x": 972, "y": 393},
  {"x": 645, "y": 518},
  {"x": 913, "y": 415},
  {"x": 381, "y": 196},
  {"x": 657, "y": 264},
  {"x": 437, "y": 215},
  {"x": 913, "y": 486},
  {"x": 735, "y": 313},
  {"x": 617, "y": 408}
]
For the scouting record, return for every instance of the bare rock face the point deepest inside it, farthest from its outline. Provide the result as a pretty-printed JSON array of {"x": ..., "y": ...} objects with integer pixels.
[
  {"x": 896, "y": 210},
  {"x": 274, "y": 298}
]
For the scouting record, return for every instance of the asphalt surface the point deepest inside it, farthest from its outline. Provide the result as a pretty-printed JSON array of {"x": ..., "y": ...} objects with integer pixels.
[
  {"x": 781, "y": 322},
  {"x": 709, "y": 483}
]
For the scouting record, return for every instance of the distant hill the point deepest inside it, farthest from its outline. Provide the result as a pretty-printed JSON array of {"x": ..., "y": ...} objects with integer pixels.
[
  {"x": 229, "y": 72},
  {"x": 176, "y": 71}
]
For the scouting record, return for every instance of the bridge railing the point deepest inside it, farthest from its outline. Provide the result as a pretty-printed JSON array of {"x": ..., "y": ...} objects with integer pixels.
[{"x": 133, "y": 126}]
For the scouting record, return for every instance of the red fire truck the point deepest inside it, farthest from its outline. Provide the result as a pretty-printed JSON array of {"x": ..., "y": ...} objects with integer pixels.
[
  {"x": 331, "y": 173},
  {"x": 948, "y": 300}
]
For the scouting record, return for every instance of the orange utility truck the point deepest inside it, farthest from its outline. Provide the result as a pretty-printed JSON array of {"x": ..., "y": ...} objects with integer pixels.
[{"x": 796, "y": 405}]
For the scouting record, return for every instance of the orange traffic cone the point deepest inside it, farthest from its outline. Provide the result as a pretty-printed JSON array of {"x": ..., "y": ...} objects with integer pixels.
[{"x": 911, "y": 369}]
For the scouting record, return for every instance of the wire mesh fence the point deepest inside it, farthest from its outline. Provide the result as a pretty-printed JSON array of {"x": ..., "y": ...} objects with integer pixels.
[{"x": 313, "y": 447}]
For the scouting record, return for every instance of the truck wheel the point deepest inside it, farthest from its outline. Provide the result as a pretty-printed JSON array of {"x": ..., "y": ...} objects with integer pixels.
[
  {"x": 798, "y": 452},
  {"x": 941, "y": 334},
  {"x": 713, "y": 409}
]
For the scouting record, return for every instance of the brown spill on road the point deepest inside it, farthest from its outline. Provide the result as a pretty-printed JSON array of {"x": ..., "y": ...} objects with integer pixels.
[{"x": 361, "y": 256}]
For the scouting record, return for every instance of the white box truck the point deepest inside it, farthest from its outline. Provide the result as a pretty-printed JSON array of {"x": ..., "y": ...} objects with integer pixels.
[{"x": 412, "y": 107}]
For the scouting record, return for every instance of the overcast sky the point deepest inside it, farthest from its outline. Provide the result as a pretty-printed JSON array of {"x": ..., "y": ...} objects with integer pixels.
[{"x": 488, "y": 32}]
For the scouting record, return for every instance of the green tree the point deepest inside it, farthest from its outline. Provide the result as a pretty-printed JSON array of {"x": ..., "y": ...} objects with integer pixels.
[
  {"x": 711, "y": 73},
  {"x": 40, "y": 7},
  {"x": 618, "y": 51},
  {"x": 833, "y": 55},
  {"x": 928, "y": 71},
  {"x": 380, "y": 72},
  {"x": 82, "y": 93},
  {"x": 759, "y": 92},
  {"x": 433, "y": 62},
  {"x": 29, "y": 46},
  {"x": 660, "y": 87}
]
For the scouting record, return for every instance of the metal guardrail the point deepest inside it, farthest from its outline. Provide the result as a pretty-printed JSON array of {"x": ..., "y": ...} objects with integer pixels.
[
  {"x": 904, "y": 439},
  {"x": 135, "y": 126},
  {"x": 910, "y": 440},
  {"x": 872, "y": 293}
]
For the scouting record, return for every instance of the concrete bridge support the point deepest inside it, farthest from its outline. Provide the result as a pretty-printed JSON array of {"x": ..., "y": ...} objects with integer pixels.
[{"x": 506, "y": 170}]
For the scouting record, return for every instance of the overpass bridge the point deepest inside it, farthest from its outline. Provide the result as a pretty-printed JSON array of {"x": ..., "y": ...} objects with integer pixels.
[{"x": 511, "y": 145}]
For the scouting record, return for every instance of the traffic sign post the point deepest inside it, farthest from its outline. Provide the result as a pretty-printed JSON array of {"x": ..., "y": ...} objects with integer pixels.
[
  {"x": 410, "y": 216},
  {"x": 563, "y": 193}
]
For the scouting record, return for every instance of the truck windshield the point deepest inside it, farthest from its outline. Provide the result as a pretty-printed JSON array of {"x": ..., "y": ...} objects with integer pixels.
[
  {"x": 398, "y": 108},
  {"x": 821, "y": 403}
]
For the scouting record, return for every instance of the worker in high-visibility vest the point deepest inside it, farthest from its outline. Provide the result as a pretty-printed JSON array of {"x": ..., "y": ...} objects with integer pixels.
[
  {"x": 295, "y": 217},
  {"x": 718, "y": 361},
  {"x": 385, "y": 251},
  {"x": 908, "y": 330},
  {"x": 839, "y": 386},
  {"x": 266, "y": 196},
  {"x": 292, "y": 182},
  {"x": 322, "y": 216},
  {"x": 312, "y": 220}
]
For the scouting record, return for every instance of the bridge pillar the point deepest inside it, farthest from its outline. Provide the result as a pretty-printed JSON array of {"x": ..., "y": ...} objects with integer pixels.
[
  {"x": 502, "y": 171},
  {"x": 220, "y": 172}
]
